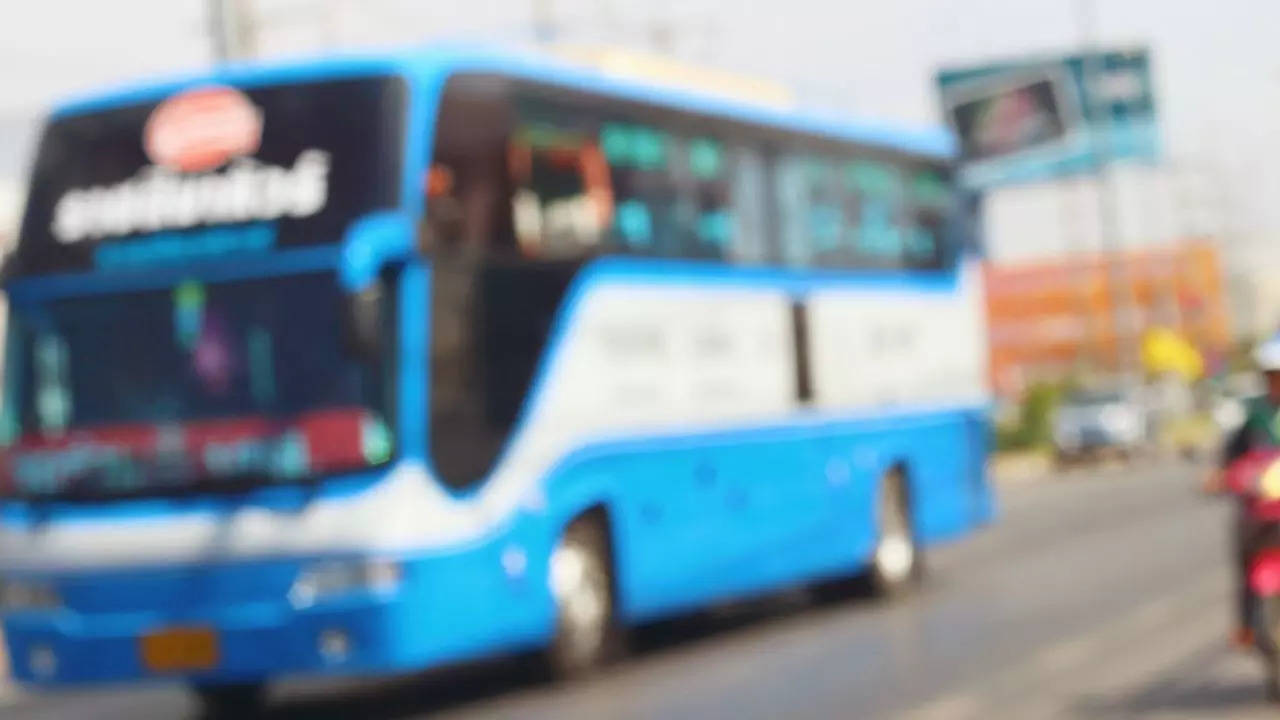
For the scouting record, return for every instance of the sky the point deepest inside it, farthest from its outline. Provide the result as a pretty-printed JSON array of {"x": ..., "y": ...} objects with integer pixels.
[{"x": 1217, "y": 63}]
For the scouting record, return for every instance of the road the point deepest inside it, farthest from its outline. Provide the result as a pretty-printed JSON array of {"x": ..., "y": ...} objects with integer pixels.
[{"x": 1100, "y": 594}]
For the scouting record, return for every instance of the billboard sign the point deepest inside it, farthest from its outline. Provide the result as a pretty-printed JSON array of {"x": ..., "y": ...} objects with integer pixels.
[{"x": 1035, "y": 119}]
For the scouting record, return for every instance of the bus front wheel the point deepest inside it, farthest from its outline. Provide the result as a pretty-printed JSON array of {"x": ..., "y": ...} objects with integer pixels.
[{"x": 582, "y": 587}]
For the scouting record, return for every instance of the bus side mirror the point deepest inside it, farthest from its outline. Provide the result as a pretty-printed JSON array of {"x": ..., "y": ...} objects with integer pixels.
[
  {"x": 368, "y": 245},
  {"x": 362, "y": 321}
]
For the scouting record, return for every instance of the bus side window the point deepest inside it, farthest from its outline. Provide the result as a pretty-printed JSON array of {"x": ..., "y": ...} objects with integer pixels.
[
  {"x": 750, "y": 198},
  {"x": 706, "y": 193},
  {"x": 878, "y": 228},
  {"x": 639, "y": 158},
  {"x": 812, "y": 228},
  {"x": 562, "y": 200},
  {"x": 937, "y": 220},
  {"x": 674, "y": 192},
  {"x": 791, "y": 197},
  {"x": 858, "y": 212},
  {"x": 583, "y": 184}
]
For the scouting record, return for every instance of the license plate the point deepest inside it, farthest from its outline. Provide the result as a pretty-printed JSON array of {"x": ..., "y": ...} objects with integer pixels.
[{"x": 180, "y": 650}]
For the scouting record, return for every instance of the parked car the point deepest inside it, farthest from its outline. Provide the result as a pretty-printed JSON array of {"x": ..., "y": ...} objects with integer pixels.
[{"x": 1091, "y": 423}]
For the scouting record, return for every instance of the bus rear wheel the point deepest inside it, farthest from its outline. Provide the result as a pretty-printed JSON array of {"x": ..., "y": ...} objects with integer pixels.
[
  {"x": 241, "y": 700},
  {"x": 582, "y": 587},
  {"x": 895, "y": 560}
]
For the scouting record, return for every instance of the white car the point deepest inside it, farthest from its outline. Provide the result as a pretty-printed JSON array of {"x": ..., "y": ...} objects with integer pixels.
[{"x": 1093, "y": 422}]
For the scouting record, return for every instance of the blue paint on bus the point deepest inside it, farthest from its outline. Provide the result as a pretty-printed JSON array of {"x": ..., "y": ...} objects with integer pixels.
[
  {"x": 718, "y": 492},
  {"x": 715, "y": 489}
]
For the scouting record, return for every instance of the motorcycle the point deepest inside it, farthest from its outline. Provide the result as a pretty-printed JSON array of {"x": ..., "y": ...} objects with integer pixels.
[{"x": 1255, "y": 481}]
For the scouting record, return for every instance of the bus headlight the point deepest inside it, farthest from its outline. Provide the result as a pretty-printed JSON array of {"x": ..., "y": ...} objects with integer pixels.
[
  {"x": 337, "y": 577},
  {"x": 20, "y": 595}
]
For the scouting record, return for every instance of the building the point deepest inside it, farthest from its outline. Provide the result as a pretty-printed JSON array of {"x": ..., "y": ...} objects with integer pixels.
[{"x": 1053, "y": 319}]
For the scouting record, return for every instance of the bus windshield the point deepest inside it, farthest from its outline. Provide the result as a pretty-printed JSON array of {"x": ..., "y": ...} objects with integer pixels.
[
  {"x": 193, "y": 386},
  {"x": 209, "y": 171}
]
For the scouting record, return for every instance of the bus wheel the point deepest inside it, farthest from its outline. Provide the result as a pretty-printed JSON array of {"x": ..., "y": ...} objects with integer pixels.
[
  {"x": 581, "y": 580},
  {"x": 895, "y": 561},
  {"x": 242, "y": 700}
]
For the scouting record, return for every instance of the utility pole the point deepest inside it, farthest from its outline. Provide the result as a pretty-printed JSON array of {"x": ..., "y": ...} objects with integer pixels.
[
  {"x": 661, "y": 30},
  {"x": 544, "y": 22},
  {"x": 232, "y": 30},
  {"x": 1098, "y": 119}
]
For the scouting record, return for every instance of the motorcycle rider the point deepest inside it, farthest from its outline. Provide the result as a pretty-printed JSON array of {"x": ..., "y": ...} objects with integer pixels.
[{"x": 1260, "y": 430}]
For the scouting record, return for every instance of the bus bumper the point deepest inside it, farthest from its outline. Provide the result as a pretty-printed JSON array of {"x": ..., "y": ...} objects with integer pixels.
[{"x": 443, "y": 610}]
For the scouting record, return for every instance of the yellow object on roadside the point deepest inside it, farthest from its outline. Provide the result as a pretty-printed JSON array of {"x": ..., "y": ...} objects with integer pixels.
[{"x": 1165, "y": 351}]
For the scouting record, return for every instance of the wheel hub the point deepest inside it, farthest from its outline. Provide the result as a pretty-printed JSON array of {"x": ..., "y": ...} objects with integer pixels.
[
  {"x": 581, "y": 591},
  {"x": 895, "y": 551}
]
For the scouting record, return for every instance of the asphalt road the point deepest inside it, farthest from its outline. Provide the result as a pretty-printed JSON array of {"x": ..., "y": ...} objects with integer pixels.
[{"x": 1100, "y": 594}]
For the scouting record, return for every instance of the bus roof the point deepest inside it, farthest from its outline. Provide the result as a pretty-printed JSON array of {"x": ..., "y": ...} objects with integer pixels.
[{"x": 435, "y": 63}]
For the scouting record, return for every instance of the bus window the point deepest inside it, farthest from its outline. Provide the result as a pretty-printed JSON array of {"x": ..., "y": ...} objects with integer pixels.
[
  {"x": 877, "y": 225},
  {"x": 675, "y": 193},
  {"x": 642, "y": 169},
  {"x": 862, "y": 212},
  {"x": 467, "y": 185},
  {"x": 562, "y": 202},
  {"x": 622, "y": 186},
  {"x": 750, "y": 198},
  {"x": 707, "y": 223},
  {"x": 813, "y": 227},
  {"x": 937, "y": 220}
]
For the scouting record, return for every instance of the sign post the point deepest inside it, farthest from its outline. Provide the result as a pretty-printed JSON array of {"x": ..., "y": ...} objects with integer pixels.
[{"x": 1099, "y": 92}]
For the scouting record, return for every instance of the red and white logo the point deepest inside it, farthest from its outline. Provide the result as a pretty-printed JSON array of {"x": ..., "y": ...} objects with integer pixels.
[{"x": 202, "y": 129}]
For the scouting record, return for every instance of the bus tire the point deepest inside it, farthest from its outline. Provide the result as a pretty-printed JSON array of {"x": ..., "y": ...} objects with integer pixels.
[
  {"x": 240, "y": 700},
  {"x": 582, "y": 586},
  {"x": 895, "y": 558}
]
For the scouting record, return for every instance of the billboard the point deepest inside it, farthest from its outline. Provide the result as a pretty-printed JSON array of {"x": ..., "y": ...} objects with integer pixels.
[
  {"x": 1028, "y": 120},
  {"x": 1045, "y": 319}
]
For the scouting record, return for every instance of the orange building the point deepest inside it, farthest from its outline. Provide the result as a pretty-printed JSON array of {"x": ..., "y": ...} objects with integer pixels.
[{"x": 1050, "y": 319}]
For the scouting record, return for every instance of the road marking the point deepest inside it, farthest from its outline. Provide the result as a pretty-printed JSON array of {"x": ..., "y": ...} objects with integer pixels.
[
  {"x": 1074, "y": 652},
  {"x": 1160, "y": 611},
  {"x": 1122, "y": 654},
  {"x": 1058, "y": 658},
  {"x": 949, "y": 707},
  {"x": 1047, "y": 667}
]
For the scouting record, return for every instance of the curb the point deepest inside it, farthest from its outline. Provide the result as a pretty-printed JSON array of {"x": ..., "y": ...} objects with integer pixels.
[{"x": 1019, "y": 468}]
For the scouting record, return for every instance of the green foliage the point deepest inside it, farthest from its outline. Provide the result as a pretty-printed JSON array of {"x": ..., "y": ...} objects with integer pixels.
[
  {"x": 1240, "y": 357},
  {"x": 1010, "y": 437},
  {"x": 1033, "y": 427}
]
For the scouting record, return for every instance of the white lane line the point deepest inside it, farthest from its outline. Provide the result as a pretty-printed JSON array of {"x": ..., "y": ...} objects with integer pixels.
[
  {"x": 1047, "y": 667},
  {"x": 1132, "y": 657},
  {"x": 950, "y": 707},
  {"x": 1079, "y": 651},
  {"x": 1058, "y": 658}
]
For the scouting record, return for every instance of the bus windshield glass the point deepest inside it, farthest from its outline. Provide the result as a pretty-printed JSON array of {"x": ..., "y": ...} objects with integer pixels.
[
  {"x": 212, "y": 170},
  {"x": 195, "y": 386}
]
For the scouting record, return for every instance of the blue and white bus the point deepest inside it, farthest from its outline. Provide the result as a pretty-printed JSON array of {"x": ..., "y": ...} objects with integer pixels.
[{"x": 366, "y": 365}]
